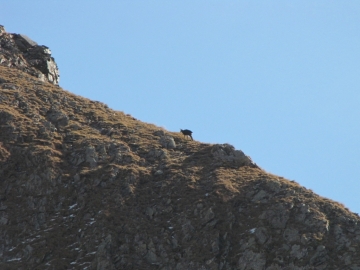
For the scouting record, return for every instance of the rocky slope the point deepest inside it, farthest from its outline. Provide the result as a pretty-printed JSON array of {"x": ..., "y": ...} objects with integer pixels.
[{"x": 86, "y": 187}]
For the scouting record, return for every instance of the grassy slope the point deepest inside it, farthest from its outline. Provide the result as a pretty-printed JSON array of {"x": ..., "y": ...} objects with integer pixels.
[{"x": 127, "y": 199}]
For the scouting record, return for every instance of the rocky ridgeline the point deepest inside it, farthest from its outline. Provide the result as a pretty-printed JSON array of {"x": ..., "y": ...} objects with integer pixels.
[
  {"x": 86, "y": 187},
  {"x": 19, "y": 51}
]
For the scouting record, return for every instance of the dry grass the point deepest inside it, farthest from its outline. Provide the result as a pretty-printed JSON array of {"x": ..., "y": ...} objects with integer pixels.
[
  {"x": 178, "y": 187},
  {"x": 192, "y": 161}
]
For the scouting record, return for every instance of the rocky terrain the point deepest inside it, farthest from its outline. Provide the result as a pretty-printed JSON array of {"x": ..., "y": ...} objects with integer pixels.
[
  {"x": 18, "y": 50},
  {"x": 85, "y": 187}
]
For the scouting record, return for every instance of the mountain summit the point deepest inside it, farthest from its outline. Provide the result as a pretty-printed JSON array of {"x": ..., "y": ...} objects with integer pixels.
[{"x": 85, "y": 187}]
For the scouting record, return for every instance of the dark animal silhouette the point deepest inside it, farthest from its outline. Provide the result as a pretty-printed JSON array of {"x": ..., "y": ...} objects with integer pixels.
[{"x": 186, "y": 132}]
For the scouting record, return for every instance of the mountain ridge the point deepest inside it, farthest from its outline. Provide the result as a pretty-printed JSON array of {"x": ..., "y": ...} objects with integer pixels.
[{"x": 87, "y": 187}]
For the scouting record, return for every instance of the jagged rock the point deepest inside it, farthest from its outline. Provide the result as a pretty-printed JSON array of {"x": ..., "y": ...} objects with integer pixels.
[
  {"x": 102, "y": 259},
  {"x": 291, "y": 235},
  {"x": 208, "y": 215},
  {"x": 58, "y": 118},
  {"x": 320, "y": 257},
  {"x": 9, "y": 86},
  {"x": 277, "y": 217},
  {"x": 261, "y": 235},
  {"x": 3, "y": 218},
  {"x": 260, "y": 195},
  {"x": 91, "y": 155},
  {"x": 3, "y": 80},
  {"x": 250, "y": 260},
  {"x": 341, "y": 238},
  {"x": 77, "y": 158},
  {"x": 117, "y": 151},
  {"x": 21, "y": 52},
  {"x": 298, "y": 252},
  {"x": 227, "y": 153}
]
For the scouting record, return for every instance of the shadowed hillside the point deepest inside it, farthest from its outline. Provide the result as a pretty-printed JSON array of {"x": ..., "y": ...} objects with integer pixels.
[{"x": 85, "y": 187}]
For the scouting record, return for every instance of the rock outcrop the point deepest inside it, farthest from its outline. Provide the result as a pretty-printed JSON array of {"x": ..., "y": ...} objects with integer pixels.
[
  {"x": 19, "y": 51},
  {"x": 86, "y": 187}
]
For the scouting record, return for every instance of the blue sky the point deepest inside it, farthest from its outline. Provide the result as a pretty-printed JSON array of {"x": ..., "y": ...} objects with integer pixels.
[{"x": 276, "y": 79}]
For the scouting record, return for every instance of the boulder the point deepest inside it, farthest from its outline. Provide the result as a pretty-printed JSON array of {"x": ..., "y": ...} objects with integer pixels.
[
  {"x": 226, "y": 153},
  {"x": 167, "y": 142}
]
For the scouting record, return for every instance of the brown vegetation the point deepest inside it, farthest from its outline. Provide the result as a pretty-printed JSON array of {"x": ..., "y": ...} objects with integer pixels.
[{"x": 87, "y": 187}]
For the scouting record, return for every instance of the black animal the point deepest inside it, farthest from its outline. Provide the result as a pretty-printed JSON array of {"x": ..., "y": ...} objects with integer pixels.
[{"x": 186, "y": 132}]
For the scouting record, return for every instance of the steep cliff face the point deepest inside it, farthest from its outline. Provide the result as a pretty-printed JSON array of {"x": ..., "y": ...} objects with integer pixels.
[
  {"x": 86, "y": 187},
  {"x": 19, "y": 51}
]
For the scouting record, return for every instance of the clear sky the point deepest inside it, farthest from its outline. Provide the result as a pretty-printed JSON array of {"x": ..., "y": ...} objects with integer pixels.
[{"x": 276, "y": 79}]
